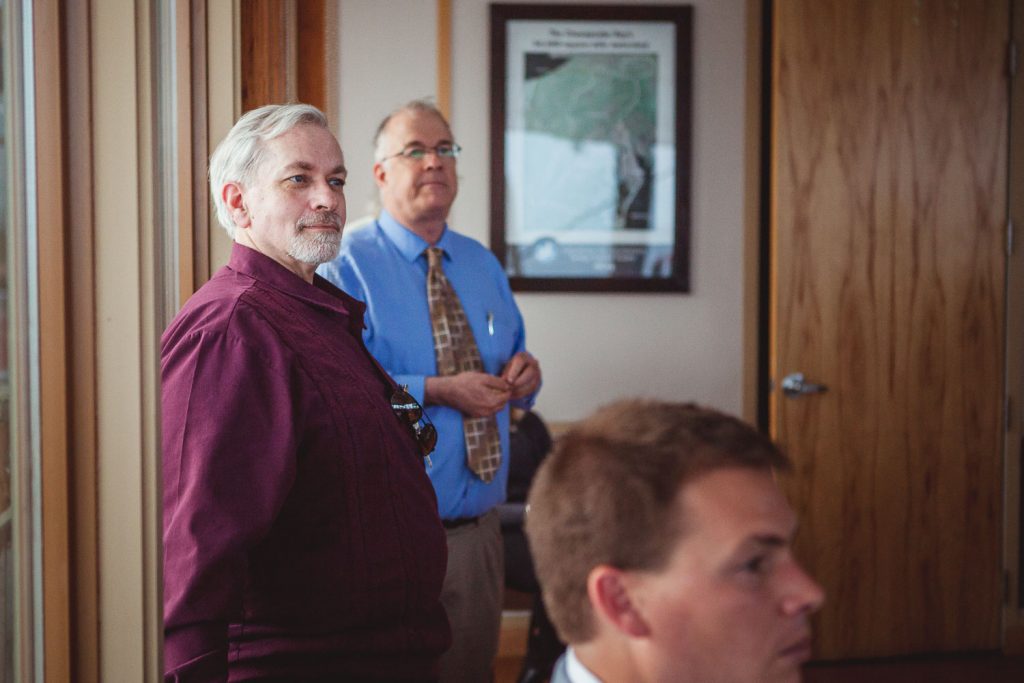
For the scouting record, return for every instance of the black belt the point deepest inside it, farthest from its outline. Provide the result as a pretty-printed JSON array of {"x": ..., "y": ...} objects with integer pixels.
[{"x": 456, "y": 522}]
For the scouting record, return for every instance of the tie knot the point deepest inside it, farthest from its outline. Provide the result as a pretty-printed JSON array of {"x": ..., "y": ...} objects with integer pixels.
[{"x": 434, "y": 255}]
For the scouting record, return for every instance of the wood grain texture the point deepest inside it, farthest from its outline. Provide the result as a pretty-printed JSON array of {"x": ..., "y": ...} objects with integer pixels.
[
  {"x": 1013, "y": 615},
  {"x": 311, "y": 60},
  {"x": 283, "y": 52},
  {"x": 263, "y": 53},
  {"x": 889, "y": 172}
]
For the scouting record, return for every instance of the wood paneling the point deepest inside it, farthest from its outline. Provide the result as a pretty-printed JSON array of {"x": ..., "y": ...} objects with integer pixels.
[
  {"x": 311, "y": 54},
  {"x": 284, "y": 52},
  {"x": 1013, "y": 620},
  {"x": 888, "y": 205},
  {"x": 264, "y": 57},
  {"x": 981, "y": 668}
]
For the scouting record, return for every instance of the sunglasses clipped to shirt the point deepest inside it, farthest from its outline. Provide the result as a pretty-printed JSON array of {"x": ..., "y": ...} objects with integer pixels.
[{"x": 411, "y": 412}]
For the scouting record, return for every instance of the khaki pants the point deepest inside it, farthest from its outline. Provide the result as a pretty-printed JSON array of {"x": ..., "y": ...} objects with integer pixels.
[{"x": 472, "y": 596}]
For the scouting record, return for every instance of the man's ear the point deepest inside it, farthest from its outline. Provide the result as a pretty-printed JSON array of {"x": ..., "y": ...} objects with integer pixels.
[
  {"x": 379, "y": 173},
  {"x": 608, "y": 590},
  {"x": 231, "y": 193}
]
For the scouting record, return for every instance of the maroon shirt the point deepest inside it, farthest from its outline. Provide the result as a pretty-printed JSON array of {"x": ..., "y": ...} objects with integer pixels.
[{"x": 301, "y": 534}]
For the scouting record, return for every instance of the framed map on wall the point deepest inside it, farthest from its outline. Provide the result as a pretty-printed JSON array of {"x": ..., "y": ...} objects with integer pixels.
[{"x": 590, "y": 132}]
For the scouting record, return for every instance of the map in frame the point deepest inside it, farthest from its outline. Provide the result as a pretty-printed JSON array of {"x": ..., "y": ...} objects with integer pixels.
[{"x": 590, "y": 149}]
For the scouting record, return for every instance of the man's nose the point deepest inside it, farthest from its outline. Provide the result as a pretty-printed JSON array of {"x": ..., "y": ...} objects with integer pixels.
[
  {"x": 325, "y": 196},
  {"x": 803, "y": 594},
  {"x": 431, "y": 158}
]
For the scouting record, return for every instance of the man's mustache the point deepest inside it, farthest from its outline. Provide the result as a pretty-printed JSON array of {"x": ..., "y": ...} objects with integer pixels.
[{"x": 320, "y": 218}]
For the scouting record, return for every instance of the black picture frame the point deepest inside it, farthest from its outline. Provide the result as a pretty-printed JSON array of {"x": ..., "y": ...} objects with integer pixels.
[{"x": 590, "y": 135}]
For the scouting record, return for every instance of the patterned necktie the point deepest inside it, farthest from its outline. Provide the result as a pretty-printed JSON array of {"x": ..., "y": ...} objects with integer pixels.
[{"x": 456, "y": 351}]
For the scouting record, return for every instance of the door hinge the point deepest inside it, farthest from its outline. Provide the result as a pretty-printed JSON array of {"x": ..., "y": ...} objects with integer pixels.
[
  {"x": 1009, "y": 236},
  {"x": 1007, "y": 583},
  {"x": 1008, "y": 413},
  {"x": 1011, "y": 58}
]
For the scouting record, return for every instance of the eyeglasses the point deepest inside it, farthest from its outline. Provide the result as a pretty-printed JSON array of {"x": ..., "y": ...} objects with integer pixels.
[
  {"x": 419, "y": 152},
  {"x": 411, "y": 412}
]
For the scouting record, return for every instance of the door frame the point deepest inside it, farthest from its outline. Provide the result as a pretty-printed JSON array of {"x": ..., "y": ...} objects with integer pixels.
[{"x": 1013, "y": 543}]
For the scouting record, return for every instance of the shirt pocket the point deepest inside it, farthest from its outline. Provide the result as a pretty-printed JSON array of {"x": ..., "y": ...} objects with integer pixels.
[{"x": 496, "y": 338}]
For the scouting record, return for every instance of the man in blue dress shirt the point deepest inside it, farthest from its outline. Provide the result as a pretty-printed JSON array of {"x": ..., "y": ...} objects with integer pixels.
[{"x": 385, "y": 265}]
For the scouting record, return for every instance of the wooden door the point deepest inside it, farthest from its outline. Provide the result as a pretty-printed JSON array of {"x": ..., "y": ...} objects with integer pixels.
[{"x": 888, "y": 205}]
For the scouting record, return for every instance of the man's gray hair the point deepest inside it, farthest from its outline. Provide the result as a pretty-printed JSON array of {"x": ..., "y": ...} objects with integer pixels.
[
  {"x": 416, "y": 107},
  {"x": 240, "y": 153}
]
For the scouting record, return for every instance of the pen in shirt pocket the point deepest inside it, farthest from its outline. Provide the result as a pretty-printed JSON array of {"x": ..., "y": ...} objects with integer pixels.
[{"x": 490, "y": 323}]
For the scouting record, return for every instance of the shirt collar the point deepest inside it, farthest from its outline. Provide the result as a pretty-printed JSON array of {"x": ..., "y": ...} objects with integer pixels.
[
  {"x": 409, "y": 244},
  {"x": 271, "y": 273},
  {"x": 575, "y": 670}
]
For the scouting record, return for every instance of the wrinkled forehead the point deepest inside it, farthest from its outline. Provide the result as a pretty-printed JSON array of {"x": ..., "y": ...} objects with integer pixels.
[{"x": 307, "y": 145}]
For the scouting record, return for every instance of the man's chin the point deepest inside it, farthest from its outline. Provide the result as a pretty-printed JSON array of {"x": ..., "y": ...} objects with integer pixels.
[
  {"x": 316, "y": 249},
  {"x": 436, "y": 199},
  {"x": 316, "y": 260},
  {"x": 787, "y": 670}
]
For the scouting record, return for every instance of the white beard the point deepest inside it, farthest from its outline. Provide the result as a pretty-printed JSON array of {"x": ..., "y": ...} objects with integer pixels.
[{"x": 316, "y": 248}]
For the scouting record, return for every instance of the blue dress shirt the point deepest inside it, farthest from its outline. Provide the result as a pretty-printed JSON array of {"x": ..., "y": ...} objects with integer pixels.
[{"x": 383, "y": 264}]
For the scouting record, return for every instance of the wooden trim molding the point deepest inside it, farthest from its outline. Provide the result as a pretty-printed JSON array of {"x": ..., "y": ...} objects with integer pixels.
[
  {"x": 263, "y": 53},
  {"x": 311, "y": 33},
  {"x": 1013, "y": 455},
  {"x": 127, "y": 285},
  {"x": 77, "y": 136},
  {"x": 101, "y": 310},
  {"x": 184, "y": 119},
  {"x": 444, "y": 57},
  {"x": 53, "y": 341},
  {"x": 223, "y": 107},
  {"x": 20, "y": 516},
  {"x": 332, "y": 56},
  {"x": 753, "y": 141},
  {"x": 271, "y": 71},
  {"x": 200, "y": 151}
]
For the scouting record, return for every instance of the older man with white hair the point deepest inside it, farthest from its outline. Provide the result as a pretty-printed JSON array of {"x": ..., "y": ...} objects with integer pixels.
[{"x": 301, "y": 535}]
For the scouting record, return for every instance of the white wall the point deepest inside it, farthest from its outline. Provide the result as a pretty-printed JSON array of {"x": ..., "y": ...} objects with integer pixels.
[{"x": 593, "y": 347}]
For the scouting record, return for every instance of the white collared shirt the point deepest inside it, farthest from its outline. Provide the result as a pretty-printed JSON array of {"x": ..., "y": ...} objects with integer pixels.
[{"x": 576, "y": 671}]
